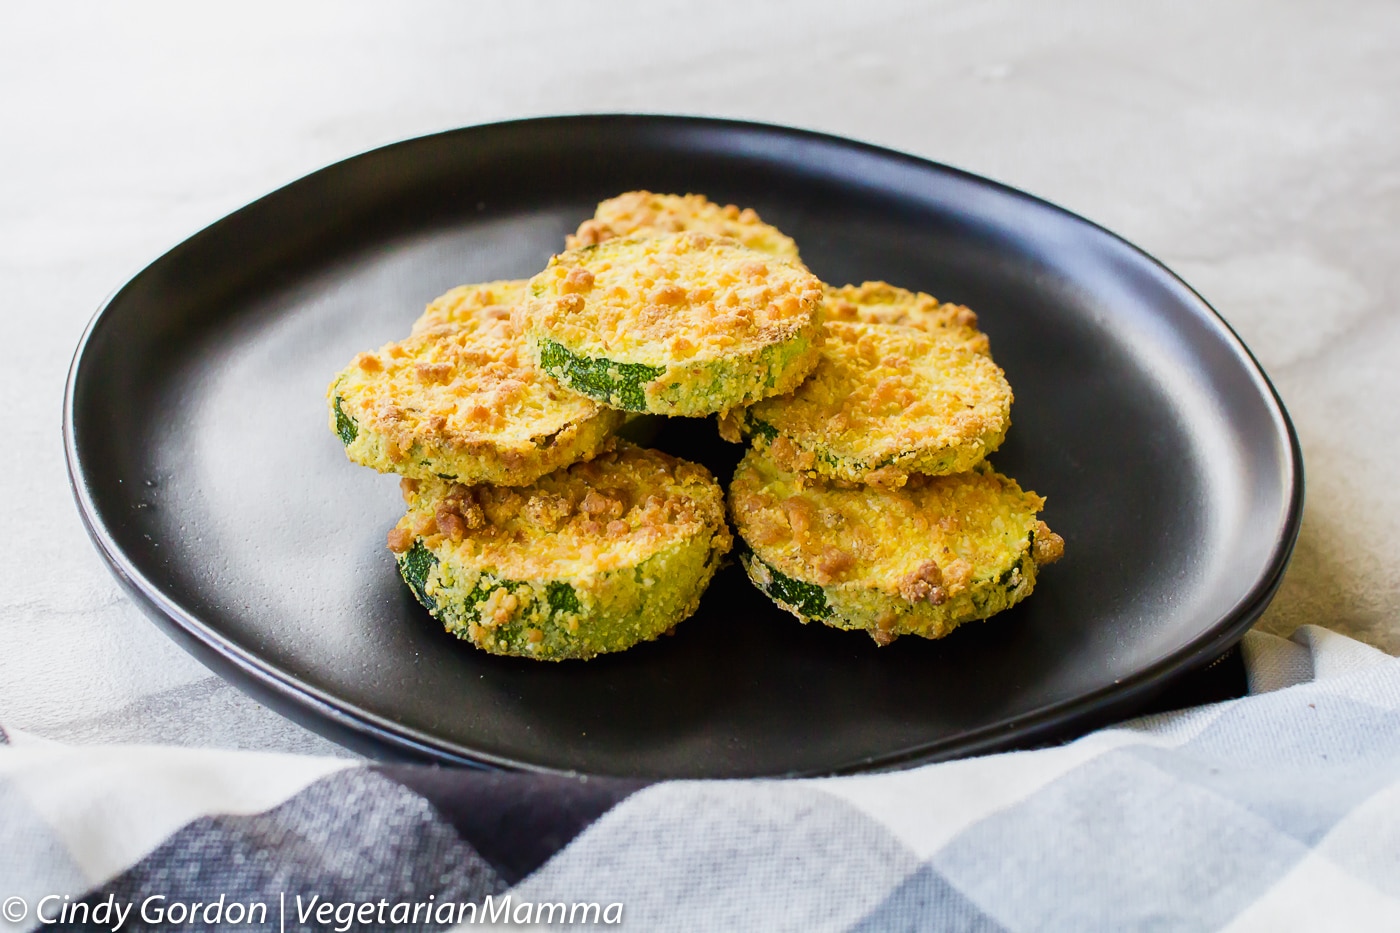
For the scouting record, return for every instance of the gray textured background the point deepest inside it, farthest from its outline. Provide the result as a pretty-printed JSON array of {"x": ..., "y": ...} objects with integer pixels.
[{"x": 1254, "y": 147}]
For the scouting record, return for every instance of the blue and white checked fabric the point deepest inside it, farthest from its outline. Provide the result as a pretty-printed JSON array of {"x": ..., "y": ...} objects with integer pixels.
[{"x": 1278, "y": 811}]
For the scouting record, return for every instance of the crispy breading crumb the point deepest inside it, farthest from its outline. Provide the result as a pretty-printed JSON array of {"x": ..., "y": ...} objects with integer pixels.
[
  {"x": 1048, "y": 547},
  {"x": 499, "y": 607},
  {"x": 924, "y": 582},
  {"x": 400, "y": 539}
]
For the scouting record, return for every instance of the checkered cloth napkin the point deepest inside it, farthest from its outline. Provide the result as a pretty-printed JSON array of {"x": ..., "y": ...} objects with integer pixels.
[{"x": 1277, "y": 811}]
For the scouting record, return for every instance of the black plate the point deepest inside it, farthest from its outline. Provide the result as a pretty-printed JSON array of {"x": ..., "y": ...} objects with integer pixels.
[{"x": 197, "y": 442}]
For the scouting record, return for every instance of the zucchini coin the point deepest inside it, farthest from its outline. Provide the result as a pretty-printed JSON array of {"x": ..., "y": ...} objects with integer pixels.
[
  {"x": 590, "y": 559},
  {"x": 918, "y": 560},
  {"x": 463, "y": 401},
  {"x": 884, "y": 402},
  {"x": 682, "y": 324}
]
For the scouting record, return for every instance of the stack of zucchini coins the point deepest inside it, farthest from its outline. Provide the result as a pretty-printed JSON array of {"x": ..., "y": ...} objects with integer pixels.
[
  {"x": 866, "y": 501},
  {"x": 532, "y": 530}
]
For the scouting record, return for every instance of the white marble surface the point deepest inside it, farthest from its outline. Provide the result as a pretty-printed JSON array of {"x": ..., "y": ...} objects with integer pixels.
[{"x": 1253, "y": 146}]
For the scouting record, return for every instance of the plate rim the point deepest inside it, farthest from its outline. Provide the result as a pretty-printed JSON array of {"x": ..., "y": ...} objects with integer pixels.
[{"x": 361, "y": 730}]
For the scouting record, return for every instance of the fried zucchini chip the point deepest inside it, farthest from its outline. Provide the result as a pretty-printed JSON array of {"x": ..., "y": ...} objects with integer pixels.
[
  {"x": 464, "y": 401},
  {"x": 883, "y": 303},
  {"x": 587, "y": 560},
  {"x": 883, "y": 403},
  {"x": 646, "y": 214},
  {"x": 682, "y": 324},
  {"x": 918, "y": 560}
]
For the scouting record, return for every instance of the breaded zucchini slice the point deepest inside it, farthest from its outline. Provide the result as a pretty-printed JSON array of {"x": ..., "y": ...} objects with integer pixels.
[
  {"x": 883, "y": 403},
  {"x": 463, "y": 401},
  {"x": 883, "y": 303},
  {"x": 467, "y": 303},
  {"x": 648, "y": 214},
  {"x": 587, "y": 560},
  {"x": 918, "y": 560},
  {"x": 682, "y": 324}
]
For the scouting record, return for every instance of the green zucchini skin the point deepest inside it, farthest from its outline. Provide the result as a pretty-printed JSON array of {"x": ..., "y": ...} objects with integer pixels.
[
  {"x": 856, "y": 608},
  {"x": 807, "y": 601},
  {"x": 564, "y": 619},
  {"x": 415, "y": 565},
  {"x": 345, "y": 427},
  {"x": 696, "y": 388},
  {"x": 679, "y": 323},
  {"x": 620, "y": 385},
  {"x": 827, "y": 464}
]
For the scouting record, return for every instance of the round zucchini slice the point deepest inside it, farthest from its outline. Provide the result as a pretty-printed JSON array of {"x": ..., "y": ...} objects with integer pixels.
[
  {"x": 682, "y": 324},
  {"x": 467, "y": 303},
  {"x": 648, "y": 214},
  {"x": 883, "y": 303},
  {"x": 918, "y": 560},
  {"x": 464, "y": 401},
  {"x": 587, "y": 560},
  {"x": 883, "y": 403}
]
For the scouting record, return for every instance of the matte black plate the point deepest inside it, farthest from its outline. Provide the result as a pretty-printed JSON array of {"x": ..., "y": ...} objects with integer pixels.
[{"x": 197, "y": 441}]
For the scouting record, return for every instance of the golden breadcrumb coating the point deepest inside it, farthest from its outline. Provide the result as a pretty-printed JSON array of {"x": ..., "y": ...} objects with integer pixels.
[
  {"x": 884, "y": 402},
  {"x": 464, "y": 401},
  {"x": 648, "y": 214},
  {"x": 883, "y": 303},
  {"x": 586, "y": 560},
  {"x": 682, "y": 324},
  {"x": 918, "y": 560}
]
